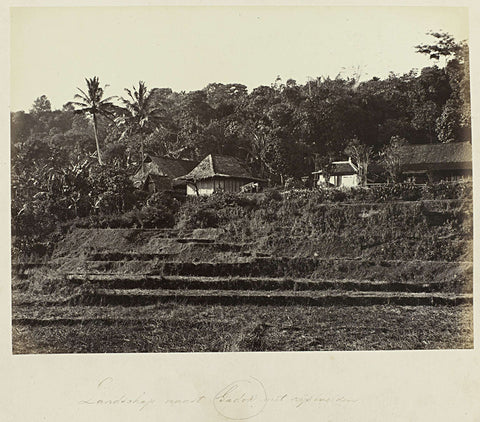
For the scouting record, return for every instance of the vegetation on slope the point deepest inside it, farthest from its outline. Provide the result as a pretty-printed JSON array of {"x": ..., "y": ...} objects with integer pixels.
[{"x": 282, "y": 131}]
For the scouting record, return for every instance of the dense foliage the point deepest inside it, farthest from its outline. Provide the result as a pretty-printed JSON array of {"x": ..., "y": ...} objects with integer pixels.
[
  {"x": 402, "y": 221},
  {"x": 283, "y": 131}
]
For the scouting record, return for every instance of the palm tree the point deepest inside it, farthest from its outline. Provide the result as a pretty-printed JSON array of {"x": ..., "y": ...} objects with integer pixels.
[
  {"x": 91, "y": 103},
  {"x": 141, "y": 113}
]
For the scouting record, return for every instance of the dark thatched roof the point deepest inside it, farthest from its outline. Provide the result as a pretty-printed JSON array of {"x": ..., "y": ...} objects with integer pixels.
[
  {"x": 418, "y": 158},
  {"x": 220, "y": 166},
  {"x": 451, "y": 156},
  {"x": 163, "y": 166},
  {"x": 170, "y": 167},
  {"x": 341, "y": 168}
]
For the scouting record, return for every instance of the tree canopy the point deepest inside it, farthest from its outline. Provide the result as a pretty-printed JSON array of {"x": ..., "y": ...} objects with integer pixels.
[{"x": 282, "y": 130}]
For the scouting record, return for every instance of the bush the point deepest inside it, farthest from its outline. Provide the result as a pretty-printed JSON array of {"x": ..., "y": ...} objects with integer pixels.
[
  {"x": 201, "y": 219},
  {"x": 272, "y": 194},
  {"x": 397, "y": 191},
  {"x": 448, "y": 190},
  {"x": 111, "y": 189},
  {"x": 163, "y": 200},
  {"x": 156, "y": 217},
  {"x": 292, "y": 183},
  {"x": 391, "y": 192},
  {"x": 222, "y": 200},
  {"x": 336, "y": 195},
  {"x": 147, "y": 217}
]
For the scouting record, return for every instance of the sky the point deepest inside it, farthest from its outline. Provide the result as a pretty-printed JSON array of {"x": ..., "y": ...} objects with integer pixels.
[{"x": 53, "y": 49}]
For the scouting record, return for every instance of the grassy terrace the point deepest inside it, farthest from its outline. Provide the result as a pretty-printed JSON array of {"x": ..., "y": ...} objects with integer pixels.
[{"x": 188, "y": 328}]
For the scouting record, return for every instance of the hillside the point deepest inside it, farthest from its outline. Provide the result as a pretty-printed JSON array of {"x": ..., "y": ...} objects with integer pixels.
[{"x": 259, "y": 259}]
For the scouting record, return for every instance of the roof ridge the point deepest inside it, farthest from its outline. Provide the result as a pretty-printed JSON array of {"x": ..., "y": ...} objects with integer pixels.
[{"x": 166, "y": 157}]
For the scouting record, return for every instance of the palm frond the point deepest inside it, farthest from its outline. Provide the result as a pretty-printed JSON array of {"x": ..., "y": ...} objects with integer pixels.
[
  {"x": 80, "y": 99},
  {"x": 108, "y": 99},
  {"x": 98, "y": 94},
  {"x": 107, "y": 113},
  {"x": 85, "y": 96},
  {"x": 81, "y": 104},
  {"x": 120, "y": 120},
  {"x": 125, "y": 102},
  {"x": 130, "y": 94},
  {"x": 75, "y": 103},
  {"x": 81, "y": 111}
]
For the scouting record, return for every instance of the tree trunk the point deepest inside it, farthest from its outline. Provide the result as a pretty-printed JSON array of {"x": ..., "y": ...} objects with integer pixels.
[
  {"x": 141, "y": 155},
  {"x": 96, "y": 139}
]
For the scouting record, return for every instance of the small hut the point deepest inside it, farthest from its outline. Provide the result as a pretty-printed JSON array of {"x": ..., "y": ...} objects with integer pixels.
[
  {"x": 218, "y": 173},
  {"x": 342, "y": 174},
  {"x": 160, "y": 173}
]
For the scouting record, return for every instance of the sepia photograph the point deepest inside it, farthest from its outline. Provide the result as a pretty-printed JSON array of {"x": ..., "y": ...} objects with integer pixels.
[{"x": 240, "y": 179}]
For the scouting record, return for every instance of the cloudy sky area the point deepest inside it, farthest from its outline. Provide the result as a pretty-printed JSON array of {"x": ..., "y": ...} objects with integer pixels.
[{"x": 185, "y": 48}]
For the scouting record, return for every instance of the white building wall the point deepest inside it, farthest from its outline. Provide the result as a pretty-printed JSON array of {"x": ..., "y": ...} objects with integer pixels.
[
  {"x": 340, "y": 181},
  {"x": 205, "y": 187},
  {"x": 191, "y": 189},
  {"x": 349, "y": 180}
]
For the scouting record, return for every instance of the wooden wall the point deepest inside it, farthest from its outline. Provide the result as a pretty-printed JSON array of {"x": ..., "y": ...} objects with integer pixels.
[{"x": 207, "y": 187}]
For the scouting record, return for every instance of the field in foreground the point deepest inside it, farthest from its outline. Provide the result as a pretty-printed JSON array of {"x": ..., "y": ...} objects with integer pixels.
[{"x": 191, "y": 328}]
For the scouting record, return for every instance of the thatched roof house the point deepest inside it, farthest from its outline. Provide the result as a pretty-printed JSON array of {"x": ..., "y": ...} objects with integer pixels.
[
  {"x": 218, "y": 173},
  {"x": 434, "y": 162},
  {"x": 343, "y": 168},
  {"x": 422, "y": 163},
  {"x": 159, "y": 173},
  {"x": 455, "y": 155},
  {"x": 342, "y": 173}
]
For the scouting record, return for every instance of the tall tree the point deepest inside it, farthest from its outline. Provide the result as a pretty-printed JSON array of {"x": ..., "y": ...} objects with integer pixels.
[
  {"x": 391, "y": 157},
  {"x": 92, "y": 103},
  {"x": 40, "y": 105},
  {"x": 445, "y": 46},
  {"x": 361, "y": 154},
  {"x": 453, "y": 122},
  {"x": 141, "y": 113}
]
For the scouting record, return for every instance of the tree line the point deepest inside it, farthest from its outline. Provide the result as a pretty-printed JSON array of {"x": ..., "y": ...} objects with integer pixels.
[{"x": 83, "y": 154}]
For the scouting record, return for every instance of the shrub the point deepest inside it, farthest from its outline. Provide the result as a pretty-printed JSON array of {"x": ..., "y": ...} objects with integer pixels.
[
  {"x": 336, "y": 195},
  {"x": 221, "y": 200},
  {"x": 292, "y": 183},
  {"x": 448, "y": 190},
  {"x": 147, "y": 217},
  {"x": 153, "y": 217},
  {"x": 202, "y": 218},
  {"x": 272, "y": 194},
  {"x": 163, "y": 200},
  {"x": 111, "y": 189}
]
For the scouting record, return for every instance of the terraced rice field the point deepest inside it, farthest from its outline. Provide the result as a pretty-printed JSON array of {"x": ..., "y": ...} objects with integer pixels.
[{"x": 230, "y": 297}]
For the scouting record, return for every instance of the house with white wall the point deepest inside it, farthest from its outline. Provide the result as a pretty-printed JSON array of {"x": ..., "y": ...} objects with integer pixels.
[
  {"x": 342, "y": 174},
  {"x": 218, "y": 173}
]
